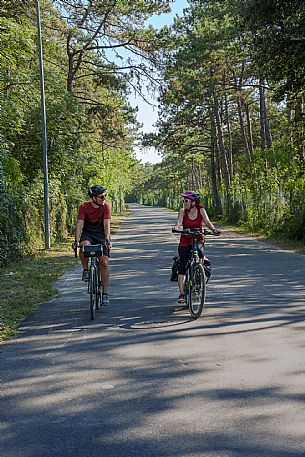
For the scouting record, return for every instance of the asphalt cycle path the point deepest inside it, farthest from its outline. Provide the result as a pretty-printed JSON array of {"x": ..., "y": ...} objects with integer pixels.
[{"x": 144, "y": 379}]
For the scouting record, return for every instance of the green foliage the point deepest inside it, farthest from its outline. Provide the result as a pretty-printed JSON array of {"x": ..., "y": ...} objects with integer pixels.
[
  {"x": 91, "y": 128},
  {"x": 231, "y": 121}
]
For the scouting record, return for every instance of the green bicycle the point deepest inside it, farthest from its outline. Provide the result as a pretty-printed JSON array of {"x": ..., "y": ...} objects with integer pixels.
[{"x": 196, "y": 277}]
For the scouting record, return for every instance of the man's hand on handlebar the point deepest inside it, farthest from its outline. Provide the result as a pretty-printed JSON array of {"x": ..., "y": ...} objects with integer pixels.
[{"x": 75, "y": 245}]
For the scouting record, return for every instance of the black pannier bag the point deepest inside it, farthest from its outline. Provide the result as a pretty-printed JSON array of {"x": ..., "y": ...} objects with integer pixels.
[
  {"x": 207, "y": 268},
  {"x": 93, "y": 250},
  {"x": 175, "y": 267}
]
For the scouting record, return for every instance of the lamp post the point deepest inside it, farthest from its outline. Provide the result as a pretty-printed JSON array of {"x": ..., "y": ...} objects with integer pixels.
[{"x": 44, "y": 137}]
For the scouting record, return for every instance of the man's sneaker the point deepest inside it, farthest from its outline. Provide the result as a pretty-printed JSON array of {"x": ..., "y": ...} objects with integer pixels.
[
  {"x": 85, "y": 276},
  {"x": 181, "y": 299},
  {"x": 105, "y": 300}
]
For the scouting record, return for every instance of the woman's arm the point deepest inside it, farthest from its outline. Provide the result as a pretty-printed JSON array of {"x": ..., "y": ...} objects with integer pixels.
[
  {"x": 179, "y": 223},
  {"x": 207, "y": 221}
]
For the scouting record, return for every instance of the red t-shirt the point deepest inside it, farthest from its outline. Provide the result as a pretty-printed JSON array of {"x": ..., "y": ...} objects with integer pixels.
[
  {"x": 86, "y": 212},
  {"x": 187, "y": 240}
]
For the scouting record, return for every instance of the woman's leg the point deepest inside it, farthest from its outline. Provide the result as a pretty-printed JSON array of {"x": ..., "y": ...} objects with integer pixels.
[
  {"x": 181, "y": 279},
  {"x": 184, "y": 252}
]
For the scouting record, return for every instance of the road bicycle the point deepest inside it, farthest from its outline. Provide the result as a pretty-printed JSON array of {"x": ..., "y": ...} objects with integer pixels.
[
  {"x": 94, "y": 285},
  {"x": 195, "y": 277},
  {"x": 93, "y": 251}
]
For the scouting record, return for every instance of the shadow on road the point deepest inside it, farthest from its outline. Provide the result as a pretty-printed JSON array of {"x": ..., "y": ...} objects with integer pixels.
[{"x": 144, "y": 379}]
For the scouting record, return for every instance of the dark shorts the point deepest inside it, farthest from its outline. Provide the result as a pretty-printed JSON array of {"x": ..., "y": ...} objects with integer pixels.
[
  {"x": 184, "y": 254},
  {"x": 95, "y": 238}
]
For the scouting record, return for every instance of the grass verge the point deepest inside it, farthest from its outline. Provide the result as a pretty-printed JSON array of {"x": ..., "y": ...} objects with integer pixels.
[
  {"x": 279, "y": 241},
  {"x": 28, "y": 281}
]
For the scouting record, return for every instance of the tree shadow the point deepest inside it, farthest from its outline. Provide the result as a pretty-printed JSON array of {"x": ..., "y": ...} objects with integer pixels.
[{"x": 144, "y": 379}]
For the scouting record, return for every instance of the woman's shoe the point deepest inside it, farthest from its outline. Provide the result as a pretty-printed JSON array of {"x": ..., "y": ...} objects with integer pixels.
[{"x": 181, "y": 299}]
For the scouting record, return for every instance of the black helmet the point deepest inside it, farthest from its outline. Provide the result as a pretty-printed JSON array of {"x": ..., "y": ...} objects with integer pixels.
[{"x": 96, "y": 190}]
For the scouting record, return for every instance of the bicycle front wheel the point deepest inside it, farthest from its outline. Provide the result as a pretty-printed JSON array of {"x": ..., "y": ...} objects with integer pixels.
[
  {"x": 196, "y": 290},
  {"x": 92, "y": 291}
]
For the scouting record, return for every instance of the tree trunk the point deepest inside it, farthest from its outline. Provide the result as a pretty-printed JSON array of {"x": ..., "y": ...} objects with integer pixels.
[
  {"x": 214, "y": 168},
  {"x": 299, "y": 122},
  {"x": 240, "y": 114},
  {"x": 262, "y": 116},
  {"x": 266, "y": 139},
  {"x": 249, "y": 129},
  {"x": 220, "y": 141},
  {"x": 230, "y": 144},
  {"x": 222, "y": 149}
]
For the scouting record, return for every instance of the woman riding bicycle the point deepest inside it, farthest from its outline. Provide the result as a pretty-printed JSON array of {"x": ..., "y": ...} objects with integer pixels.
[{"x": 191, "y": 216}]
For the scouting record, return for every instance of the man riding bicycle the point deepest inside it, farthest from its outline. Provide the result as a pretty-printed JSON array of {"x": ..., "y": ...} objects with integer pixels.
[
  {"x": 191, "y": 216},
  {"x": 93, "y": 227}
]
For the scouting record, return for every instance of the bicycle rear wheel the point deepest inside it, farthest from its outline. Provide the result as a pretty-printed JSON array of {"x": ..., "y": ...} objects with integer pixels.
[
  {"x": 98, "y": 293},
  {"x": 196, "y": 290},
  {"x": 92, "y": 291}
]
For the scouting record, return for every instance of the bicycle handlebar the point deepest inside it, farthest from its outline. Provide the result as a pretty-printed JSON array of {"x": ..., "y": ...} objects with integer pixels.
[
  {"x": 75, "y": 245},
  {"x": 195, "y": 232}
]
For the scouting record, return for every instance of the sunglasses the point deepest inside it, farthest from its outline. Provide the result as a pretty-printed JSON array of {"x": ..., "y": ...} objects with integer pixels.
[
  {"x": 186, "y": 200},
  {"x": 101, "y": 196}
]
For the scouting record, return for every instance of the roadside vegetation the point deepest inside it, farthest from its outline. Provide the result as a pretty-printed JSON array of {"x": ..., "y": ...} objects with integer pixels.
[
  {"x": 275, "y": 240},
  {"x": 232, "y": 116},
  {"x": 95, "y": 54},
  {"x": 29, "y": 280}
]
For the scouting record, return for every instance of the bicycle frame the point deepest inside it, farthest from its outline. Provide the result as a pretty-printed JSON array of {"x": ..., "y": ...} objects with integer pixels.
[
  {"x": 94, "y": 263},
  {"x": 194, "y": 256},
  {"x": 195, "y": 278},
  {"x": 93, "y": 252}
]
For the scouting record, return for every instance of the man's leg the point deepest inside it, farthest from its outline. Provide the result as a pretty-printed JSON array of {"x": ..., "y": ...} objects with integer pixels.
[
  {"x": 104, "y": 267},
  {"x": 84, "y": 260}
]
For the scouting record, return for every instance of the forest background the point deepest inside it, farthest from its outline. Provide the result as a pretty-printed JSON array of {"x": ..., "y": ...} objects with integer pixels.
[{"x": 230, "y": 80}]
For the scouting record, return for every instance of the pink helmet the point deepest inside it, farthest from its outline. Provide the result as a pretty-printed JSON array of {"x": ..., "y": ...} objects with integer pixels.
[{"x": 193, "y": 196}]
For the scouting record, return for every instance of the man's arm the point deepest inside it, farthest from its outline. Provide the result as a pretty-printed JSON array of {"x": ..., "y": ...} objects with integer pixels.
[
  {"x": 107, "y": 231},
  {"x": 79, "y": 229}
]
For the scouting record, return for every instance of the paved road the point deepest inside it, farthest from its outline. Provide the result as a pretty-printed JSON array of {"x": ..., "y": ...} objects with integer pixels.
[{"x": 144, "y": 379}]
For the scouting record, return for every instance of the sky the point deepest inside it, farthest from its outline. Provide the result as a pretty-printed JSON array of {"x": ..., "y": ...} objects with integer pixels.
[{"x": 147, "y": 115}]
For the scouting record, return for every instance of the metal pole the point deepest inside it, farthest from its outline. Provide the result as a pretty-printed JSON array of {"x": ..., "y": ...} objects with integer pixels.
[{"x": 44, "y": 137}]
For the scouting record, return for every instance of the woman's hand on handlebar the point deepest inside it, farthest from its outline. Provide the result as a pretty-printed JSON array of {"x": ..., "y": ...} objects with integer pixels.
[
  {"x": 177, "y": 229},
  {"x": 216, "y": 231}
]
